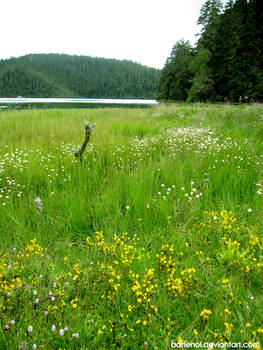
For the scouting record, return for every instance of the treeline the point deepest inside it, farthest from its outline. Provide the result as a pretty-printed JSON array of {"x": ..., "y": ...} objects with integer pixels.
[
  {"x": 227, "y": 61},
  {"x": 55, "y": 75}
]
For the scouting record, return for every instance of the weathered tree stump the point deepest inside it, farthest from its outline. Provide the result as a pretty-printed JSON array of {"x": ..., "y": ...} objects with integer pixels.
[{"x": 88, "y": 129}]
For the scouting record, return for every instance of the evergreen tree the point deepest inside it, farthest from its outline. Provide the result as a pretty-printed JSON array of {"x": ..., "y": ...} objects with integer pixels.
[
  {"x": 176, "y": 76},
  {"x": 228, "y": 59},
  {"x": 209, "y": 19},
  {"x": 203, "y": 84}
]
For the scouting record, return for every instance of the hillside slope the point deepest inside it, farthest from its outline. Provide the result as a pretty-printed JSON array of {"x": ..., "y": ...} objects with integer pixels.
[{"x": 55, "y": 75}]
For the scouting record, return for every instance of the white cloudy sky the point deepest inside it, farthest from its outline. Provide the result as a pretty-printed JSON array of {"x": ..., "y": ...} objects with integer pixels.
[{"x": 143, "y": 31}]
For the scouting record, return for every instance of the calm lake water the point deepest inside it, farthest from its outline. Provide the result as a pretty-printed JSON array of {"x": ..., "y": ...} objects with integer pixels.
[{"x": 22, "y": 102}]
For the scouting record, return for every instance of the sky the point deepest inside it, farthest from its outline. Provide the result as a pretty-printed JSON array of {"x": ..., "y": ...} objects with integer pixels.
[{"x": 143, "y": 31}]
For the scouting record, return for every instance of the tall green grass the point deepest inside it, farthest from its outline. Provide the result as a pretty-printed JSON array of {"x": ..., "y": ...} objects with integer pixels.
[{"x": 172, "y": 175}]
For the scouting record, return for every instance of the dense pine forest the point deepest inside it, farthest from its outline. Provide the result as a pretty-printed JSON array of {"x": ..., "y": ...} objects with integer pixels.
[
  {"x": 227, "y": 62},
  {"x": 55, "y": 75}
]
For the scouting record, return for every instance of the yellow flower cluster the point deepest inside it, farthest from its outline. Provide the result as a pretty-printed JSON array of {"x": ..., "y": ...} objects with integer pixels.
[
  {"x": 33, "y": 248},
  {"x": 205, "y": 314},
  {"x": 11, "y": 274},
  {"x": 224, "y": 220},
  {"x": 178, "y": 282},
  {"x": 125, "y": 290},
  {"x": 238, "y": 247}
]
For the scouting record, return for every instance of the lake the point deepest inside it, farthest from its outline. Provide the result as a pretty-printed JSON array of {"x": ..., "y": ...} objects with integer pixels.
[{"x": 23, "y": 102}]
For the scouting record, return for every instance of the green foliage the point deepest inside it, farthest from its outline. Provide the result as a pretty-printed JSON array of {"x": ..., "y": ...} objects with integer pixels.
[
  {"x": 202, "y": 86},
  {"x": 237, "y": 61},
  {"x": 75, "y": 76},
  {"x": 176, "y": 75},
  {"x": 209, "y": 17},
  {"x": 230, "y": 45},
  {"x": 209, "y": 12}
]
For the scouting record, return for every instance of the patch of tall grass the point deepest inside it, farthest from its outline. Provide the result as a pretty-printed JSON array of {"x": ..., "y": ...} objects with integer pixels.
[{"x": 154, "y": 238}]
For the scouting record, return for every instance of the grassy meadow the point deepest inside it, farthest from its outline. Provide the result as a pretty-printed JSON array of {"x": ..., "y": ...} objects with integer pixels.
[{"x": 154, "y": 239}]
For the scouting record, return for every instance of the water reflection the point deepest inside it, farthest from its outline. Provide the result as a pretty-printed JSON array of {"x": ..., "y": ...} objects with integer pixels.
[{"x": 21, "y": 102}]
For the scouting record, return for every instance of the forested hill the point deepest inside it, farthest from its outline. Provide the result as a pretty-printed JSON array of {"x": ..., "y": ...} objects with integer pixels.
[{"x": 56, "y": 75}]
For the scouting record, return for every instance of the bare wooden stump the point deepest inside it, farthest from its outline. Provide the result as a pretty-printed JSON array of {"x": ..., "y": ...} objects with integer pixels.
[{"x": 88, "y": 130}]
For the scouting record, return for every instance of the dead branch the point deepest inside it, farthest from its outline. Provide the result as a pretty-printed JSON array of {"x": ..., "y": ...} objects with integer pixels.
[{"x": 88, "y": 130}]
